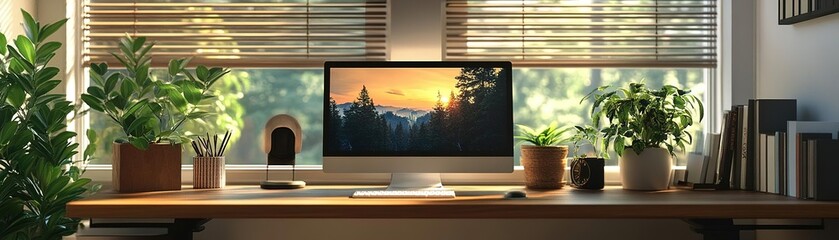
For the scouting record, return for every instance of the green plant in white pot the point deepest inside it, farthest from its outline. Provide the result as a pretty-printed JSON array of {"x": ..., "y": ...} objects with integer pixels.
[
  {"x": 151, "y": 112},
  {"x": 645, "y": 127},
  {"x": 544, "y": 161}
]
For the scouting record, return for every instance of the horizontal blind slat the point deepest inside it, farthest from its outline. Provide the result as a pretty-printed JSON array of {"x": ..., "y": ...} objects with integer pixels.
[
  {"x": 651, "y": 33},
  {"x": 241, "y": 34}
]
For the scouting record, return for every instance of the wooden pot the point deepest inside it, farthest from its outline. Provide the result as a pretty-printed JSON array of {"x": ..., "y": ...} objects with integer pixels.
[
  {"x": 544, "y": 167},
  {"x": 156, "y": 169},
  {"x": 648, "y": 171}
]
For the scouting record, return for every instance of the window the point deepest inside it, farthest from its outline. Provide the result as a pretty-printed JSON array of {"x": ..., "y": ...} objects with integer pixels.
[
  {"x": 275, "y": 48},
  {"x": 247, "y": 99},
  {"x": 560, "y": 49},
  {"x": 545, "y": 95},
  {"x": 563, "y": 49}
]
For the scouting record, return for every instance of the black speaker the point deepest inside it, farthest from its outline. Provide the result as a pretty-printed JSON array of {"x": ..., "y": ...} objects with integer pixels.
[
  {"x": 283, "y": 139},
  {"x": 587, "y": 173}
]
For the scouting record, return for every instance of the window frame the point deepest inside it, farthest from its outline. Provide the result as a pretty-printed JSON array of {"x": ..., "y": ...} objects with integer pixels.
[{"x": 313, "y": 174}]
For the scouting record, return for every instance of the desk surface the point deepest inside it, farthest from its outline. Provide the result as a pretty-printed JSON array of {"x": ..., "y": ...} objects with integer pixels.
[{"x": 472, "y": 202}]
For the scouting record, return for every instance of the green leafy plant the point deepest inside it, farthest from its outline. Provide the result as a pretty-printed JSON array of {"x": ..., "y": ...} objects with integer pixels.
[
  {"x": 640, "y": 118},
  {"x": 589, "y": 135},
  {"x": 147, "y": 108},
  {"x": 550, "y": 136},
  {"x": 38, "y": 175}
]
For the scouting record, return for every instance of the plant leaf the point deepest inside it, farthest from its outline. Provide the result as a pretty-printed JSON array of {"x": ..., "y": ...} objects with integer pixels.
[
  {"x": 139, "y": 143},
  {"x": 15, "y": 96},
  {"x": 3, "y": 44},
  {"x": 25, "y": 48},
  {"x": 191, "y": 92},
  {"x": 30, "y": 26},
  {"x": 93, "y": 102},
  {"x": 49, "y": 29}
]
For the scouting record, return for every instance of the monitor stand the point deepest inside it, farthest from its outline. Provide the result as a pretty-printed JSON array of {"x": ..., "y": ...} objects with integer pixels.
[{"x": 415, "y": 181}]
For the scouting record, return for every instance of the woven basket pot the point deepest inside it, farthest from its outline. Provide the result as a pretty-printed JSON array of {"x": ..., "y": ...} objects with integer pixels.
[
  {"x": 544, "y": 167},
  {"x": 208, "y": 172}
]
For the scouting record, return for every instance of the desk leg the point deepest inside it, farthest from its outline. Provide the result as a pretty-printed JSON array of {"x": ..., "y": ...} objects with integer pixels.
[
  {"x": 715, "y": 229},
  {"x": 183, "y": 228}
]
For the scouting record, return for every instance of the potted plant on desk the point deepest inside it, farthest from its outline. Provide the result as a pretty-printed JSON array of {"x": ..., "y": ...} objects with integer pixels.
[
  {"x": 587, "y": 168},
  {"x": 544, "y": 161},
  {"x": 645, "y": 126},
  {"x": 150, "y": 112}
]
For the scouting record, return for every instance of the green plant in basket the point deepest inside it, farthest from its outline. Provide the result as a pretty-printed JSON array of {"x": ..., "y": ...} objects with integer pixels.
[
  {"x": 550, "y": 136},
  {"x": 641, "y": 118},
  {"x": 147, "y": 108}
]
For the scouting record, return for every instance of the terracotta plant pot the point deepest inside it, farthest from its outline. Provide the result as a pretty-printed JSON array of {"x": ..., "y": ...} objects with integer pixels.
[
  {"x": 587, "y": 173},
  {"x": 544, "y": 167},
  {"x": 648, "y": 171},
  {"x": 156, "y": 169}
]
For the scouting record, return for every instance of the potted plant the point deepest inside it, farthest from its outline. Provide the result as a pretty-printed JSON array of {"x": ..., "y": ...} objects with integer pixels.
[
  {"x": 587, "y": 169},
  {"x": 645, "y": 126},
  {"x": 150, "y": 111},
  {"x": 544, "y": 161},
  {"x": 38, "y": 174}
]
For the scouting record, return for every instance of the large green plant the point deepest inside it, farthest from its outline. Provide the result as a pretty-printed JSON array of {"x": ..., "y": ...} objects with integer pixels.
[
  {"x": 147, "y": 108},
  {"x": 38, "y": 176},
  {"x": 640, "y": 118}
]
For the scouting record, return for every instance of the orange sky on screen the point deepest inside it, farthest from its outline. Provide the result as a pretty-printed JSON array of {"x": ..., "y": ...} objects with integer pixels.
[{"x": 414, "y": 88}]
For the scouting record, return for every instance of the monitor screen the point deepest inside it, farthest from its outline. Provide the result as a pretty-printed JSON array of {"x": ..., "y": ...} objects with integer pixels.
[{"x": 418, "y": 109}]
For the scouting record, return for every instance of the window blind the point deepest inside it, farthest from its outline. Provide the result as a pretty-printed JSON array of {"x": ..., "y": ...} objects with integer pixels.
[
  {"x": 240, "y": 33},
  {"x": 594, "y": 33}
]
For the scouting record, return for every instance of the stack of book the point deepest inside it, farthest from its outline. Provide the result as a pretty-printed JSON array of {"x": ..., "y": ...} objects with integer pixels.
[
  {"x": 810, "y": 160},
  {"x": 761, "y": 147}
]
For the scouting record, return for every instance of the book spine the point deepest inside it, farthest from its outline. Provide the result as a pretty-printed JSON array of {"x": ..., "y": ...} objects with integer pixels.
[
  {"x": 744, "y": 159},
  {"x": 751, "y": 151},
  {"x": 782, "y": 162},
  {"x": 728, "y": 150}
]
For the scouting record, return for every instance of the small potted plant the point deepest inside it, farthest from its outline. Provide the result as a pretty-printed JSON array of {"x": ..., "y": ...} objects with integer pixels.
[
  {"x": 645, "y": 126},
  {"x": 544, "y": 161},
  {"x": 587, "y": 168},
  {"x": 150, "y": 111}
]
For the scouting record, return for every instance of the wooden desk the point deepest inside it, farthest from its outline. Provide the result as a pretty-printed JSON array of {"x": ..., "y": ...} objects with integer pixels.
[{"x": 710, "y": 212}]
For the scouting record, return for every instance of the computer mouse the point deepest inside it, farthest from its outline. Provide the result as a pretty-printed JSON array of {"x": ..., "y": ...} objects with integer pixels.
[{"x": 515, "y": 194}]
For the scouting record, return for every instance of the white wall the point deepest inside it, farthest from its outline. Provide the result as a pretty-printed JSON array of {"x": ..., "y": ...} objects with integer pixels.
[
  {"x": 11, "y": 17},
  {"x": 799, "y": 61}
]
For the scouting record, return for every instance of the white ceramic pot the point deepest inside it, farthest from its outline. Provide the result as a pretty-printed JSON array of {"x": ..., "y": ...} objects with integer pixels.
[{"x": 648, "y": 171}]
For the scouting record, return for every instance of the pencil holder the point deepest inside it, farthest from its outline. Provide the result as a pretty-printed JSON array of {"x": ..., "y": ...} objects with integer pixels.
[{"x": 208, "y": 172}]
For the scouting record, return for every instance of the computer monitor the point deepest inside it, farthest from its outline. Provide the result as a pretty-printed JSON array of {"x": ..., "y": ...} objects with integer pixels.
[{"x": 415, "y": 118}]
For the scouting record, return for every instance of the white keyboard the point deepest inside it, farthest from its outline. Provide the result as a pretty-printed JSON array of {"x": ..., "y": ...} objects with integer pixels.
[{"x": 404, "y": 194}]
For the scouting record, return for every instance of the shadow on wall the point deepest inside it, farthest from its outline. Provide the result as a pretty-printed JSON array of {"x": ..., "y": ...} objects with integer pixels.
[{"x": 6, "y": 20}]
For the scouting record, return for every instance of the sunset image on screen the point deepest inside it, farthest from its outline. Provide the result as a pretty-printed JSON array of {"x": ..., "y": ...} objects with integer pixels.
[
  {"x": 415, "y": 88},
  {"x": 415, "y": 110}
]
